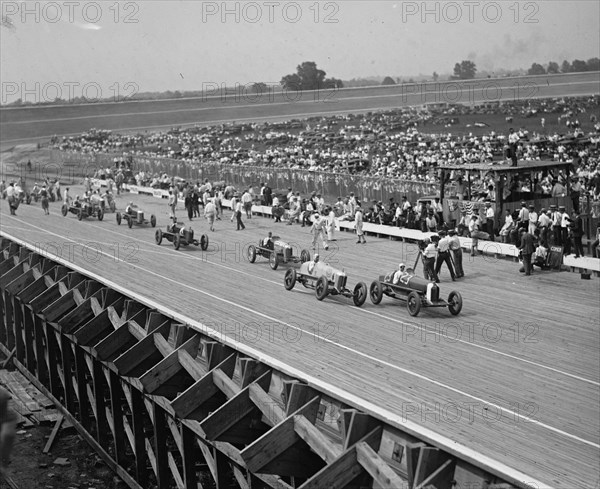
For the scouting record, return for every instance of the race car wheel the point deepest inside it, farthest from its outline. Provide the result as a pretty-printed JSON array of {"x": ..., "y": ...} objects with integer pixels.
[
  {"x": 119, "y": 218},
  {"x": 64, "y": 209},
  {"x": 158, "y": 236},
  {"x": 113, "y": 206},
  {"x": 360, "y": 294},
  {"x": 80, "y": 214},
  {"x": 455, "y": 303},
  {"x": 153, "y": 220},
  {"x": 322, "y": 288},
  {"x": 290, "y": 279},
  {"x": 176, "y": 241},
  {"x": 413, "y": 303},
  {"x": 252, "y": 253},
  {"x": 273, "y": 260},
  {"x": 304, "y": 256},
  {"x": 100, "y": 214},
  {"x": 376, "y": 292},
  {"x": 130, "y": 221},
  {"x": 204, "y": 242}
]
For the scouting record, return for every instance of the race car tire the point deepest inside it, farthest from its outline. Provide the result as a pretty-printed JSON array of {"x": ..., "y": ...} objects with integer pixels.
[
  {"x": 119, "y": 218},
  {"x": 360, "y": 294},
  {"x": 130, "y": 221},
  {"x": 113, "y": 206},
  {"x": 455, "y": 303},
  {"x": 376, "y": 292},
  {"x": 322, "y": 288},
  {"x": 273, "y": 260},
  {"x": 203, "y": 242},
  {"x": 251, "y": 253},
  {"x": 413, "y": 303},
  {"x": 64, "y": 209},
  {"x": 100, "y": 214},
  {"x": 176, "y": 241},
  {"x": 158, "y": 236},
  {"x": 80, "y": 214},
  {"x": 304, "y": 256},
  {"x": 290, "y": 279},
  {"x": 153, "y": 220}
]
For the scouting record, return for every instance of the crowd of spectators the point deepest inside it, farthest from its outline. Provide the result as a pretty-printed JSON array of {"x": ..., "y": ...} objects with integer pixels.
[{"x": 390, "y": 144}]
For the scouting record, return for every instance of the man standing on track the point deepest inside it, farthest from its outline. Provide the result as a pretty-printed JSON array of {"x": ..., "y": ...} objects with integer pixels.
[
  {"x": 443, "y": 255},
  {"x": 429, "y": 255},
  {"x": 317, "y": 230},
  {"x": 358, "y": 217},
  {"x": 457, "y": 253},
  {"x": 172, "y": 201},
  {"x": 238, "y": 215},
  {"x": 527, "y": 249}
]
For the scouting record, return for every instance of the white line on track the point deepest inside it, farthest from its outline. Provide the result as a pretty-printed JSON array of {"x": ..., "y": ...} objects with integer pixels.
[
  {"x": 361, "y": 310},
  {"x": 351, "y": 350}
]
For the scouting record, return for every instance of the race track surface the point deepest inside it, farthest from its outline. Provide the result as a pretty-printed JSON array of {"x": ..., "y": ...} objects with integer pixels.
[{"x": 516, "y": 376}]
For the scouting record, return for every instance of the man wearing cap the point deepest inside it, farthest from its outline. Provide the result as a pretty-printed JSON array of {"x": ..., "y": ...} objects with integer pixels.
[
  {"x": 358, "y": 218},
  {"x": 544, "y": 223},
  {"x": 489, "y": 220},
  {"x": 443, "y": 255},
  {"x": 431, "y": 221},
  {"x": 318, "y": 230},
  {"x": 533, "y": 220},
  {"x": 523, "y": 216},
  {"x": 457, "y": 253},
  {"x": 565, "y": 224},
  {"x": 527, "y": 249}
]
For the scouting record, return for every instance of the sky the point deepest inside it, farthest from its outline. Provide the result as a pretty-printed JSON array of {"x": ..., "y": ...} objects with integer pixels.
[{"x": 73, "y": 48}]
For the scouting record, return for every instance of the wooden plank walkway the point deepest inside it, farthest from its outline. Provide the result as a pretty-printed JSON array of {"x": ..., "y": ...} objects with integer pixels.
[{"x": 515, "y": 376}]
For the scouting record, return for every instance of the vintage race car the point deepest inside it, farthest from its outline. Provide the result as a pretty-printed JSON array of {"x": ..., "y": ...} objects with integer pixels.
[
  {"x": 180, "y": 235},
  {"x": 279, "y": 252},
  {"x": 86, "y": 209},
  {"x": 416, "y": 291},
  {"x": 325, "y": 279},
  {"x": 135, "y": 216}
]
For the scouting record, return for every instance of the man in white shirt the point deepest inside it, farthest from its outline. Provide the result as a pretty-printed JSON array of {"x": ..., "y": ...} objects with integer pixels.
[
  {"x": 238, "y": 215},
  {"x": 524, "y": 216},
  {"x": 400, "y": 275},
  {"x": 490, "y": 217},
  {"x": 317, "y": 230},
  {"x": 513, "y": 141},
  {"x": 544, "y": 222},
  {"x": 456, "y": 252},
  {"x": 429, "y": 255},
  {"x": 443, "y": 255},
  {"x": 533, "y": 220}
]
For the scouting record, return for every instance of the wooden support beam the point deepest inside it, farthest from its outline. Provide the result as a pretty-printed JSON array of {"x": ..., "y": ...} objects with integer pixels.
[
  {"x": 277, "y": 440},
  {"x": 216, "y": 353},
  {"x": 316, "y": 439},
  {"x": 382, "y": 473},
  {"x": 53, "y": 434},
  {"x": 117, "y": 341},
  {"x": 156, "y": 320},
  {"x": 77, "y": 317},
  {"x": 344, "y": 469},
  {"x": 191, "y": 365},
  {"x": 95, "y": 330},
  {"x": 21, "y": 282},
  {"x": 441, "y": 478},
  {"x": 297, "y": 394},
  {"x": 232, "y": 412},
  {"x": 413, "y": 451},
  {"x": 116, "y": 393},
  {"x": 163, "y": 346},
  {"x": 163, "y": 478},
  {"x": 139, "y": 450},
  {"x": 252, "y": 370},
  {"x": 202, "y": 390},
  {"x": 355, "y": 425},
  {"x": 190, "y": 458},
  {"x": 271, "y": 410},
  {"x": 45, "y": 298},
  {"x": 33, "y": 290},
  {"x": 225, "y": 383},
  {"x": 59, "y": 307},
  {"x": 140, "y": 352}
]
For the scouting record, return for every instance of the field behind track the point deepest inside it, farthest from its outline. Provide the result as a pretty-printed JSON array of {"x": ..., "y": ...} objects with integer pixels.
[{"x": 19, "y": 124}]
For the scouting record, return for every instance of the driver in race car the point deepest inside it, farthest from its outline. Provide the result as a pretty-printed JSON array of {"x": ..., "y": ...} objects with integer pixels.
[
  {"x": 130, "y": 208},
  {"x": 268, "y": 241},
  {"x": 401, "y": 274}
]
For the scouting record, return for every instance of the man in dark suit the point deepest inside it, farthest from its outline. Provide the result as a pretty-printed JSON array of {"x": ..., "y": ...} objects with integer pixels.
[
  {"x": 527, "y": 249},
  {"x": 577, "y": 231}
]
